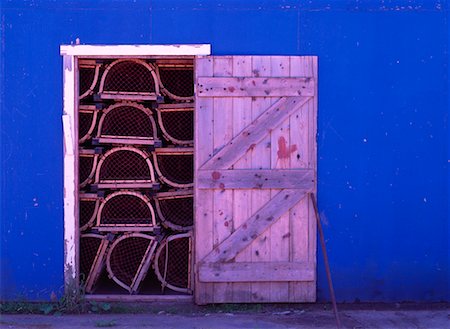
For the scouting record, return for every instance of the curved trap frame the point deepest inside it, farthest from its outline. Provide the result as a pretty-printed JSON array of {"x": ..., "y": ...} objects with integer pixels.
[
  {"x": 176, "y": 209},
  {"x": 125, "y": 211},
  {"x": 176, "y": 79},
  {"x": 129, "y": 259},
  {"x": 87, "y": 165},
  {"x": 87, "y": 118},
  {"x": 127, "y": 123},
  {"x": 132, "y": 79},
  {"x": 89, "y": 72},
  {"x": 177, "y": 122},
  {"x": 125, "y": 167},
  {"x": 175, "y": 166},
  {"x": 93, "y": 248},
  {"x": 89, "y": 204},
  {"x": 173, "y": 263}
]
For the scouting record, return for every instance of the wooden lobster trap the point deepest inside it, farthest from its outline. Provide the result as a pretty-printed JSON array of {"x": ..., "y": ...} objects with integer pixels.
[
  {"x": 89, "y": 204},
  {"x": 125, "y": 167},
  {"x": 173, "y": 261},
  {"x": 176, "y": 79},
  {"x": 87, "y": 166},
  {"x": 175, "y": 166},
  {"x": 129, "y": 79},
  {"x": 129, "y": 259},
  {"x": 127, "y": 123},
  {"x": 87, "y": 119},
  {"x": 177, "y": 122},
  {"x": 93, "y": 248},
  {"x": 89, "y": 72},
  {"x": 125, "y": 211},
  {"x": 176, "y": 209}
]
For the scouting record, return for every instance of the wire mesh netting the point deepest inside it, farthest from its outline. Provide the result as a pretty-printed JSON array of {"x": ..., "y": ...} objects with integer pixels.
[
  {"x": 86, "y": 168},
  {"x": 126, "y": 256},
  {"x": 126, "y": 208},
  {"x": 89, "y": 248},
  {"x": 178, "y": 81},
  {"x": 125, "y": 164},
  {"x": 176, "y": 212},
  {"x": 172, "y": 262},
  {"x": 88, "y": 212},
  {"x": 129, "y": 76},
  {"x": 176, "y": 169},
  {"x": 178, "y": 126},
  {"x": 127, "y": 121}
]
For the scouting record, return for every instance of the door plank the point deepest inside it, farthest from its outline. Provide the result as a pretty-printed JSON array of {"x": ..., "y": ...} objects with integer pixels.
[
  {"x": 256, "y": 272},
  {"x": 255, "y": 132},
  {"x": 203, "y": 145},
  {"x": 254, "y": 87},
  {"x": 256, "y": 179},
  {"x": 254, "y": 226},
  {"x": 223, "y": 199},
  {"x": 281, "y": 147}
]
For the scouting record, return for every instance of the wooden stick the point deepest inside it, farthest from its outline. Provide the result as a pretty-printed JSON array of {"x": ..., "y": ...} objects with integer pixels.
[{"x": 325, "y": 259}]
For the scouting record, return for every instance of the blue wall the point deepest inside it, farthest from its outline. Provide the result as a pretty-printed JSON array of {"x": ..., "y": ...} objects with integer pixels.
[{"x": 383, "y": 127}]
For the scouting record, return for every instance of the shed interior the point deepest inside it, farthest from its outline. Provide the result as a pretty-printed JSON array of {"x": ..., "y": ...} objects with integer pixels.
[{"x": 135, "y": 175}]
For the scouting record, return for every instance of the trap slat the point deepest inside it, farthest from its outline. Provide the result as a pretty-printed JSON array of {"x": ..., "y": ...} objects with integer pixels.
[
  {"x": 88, "y": 210},
  {"x": 88, "y": 77},
  {"x": 87, "y": 166}
]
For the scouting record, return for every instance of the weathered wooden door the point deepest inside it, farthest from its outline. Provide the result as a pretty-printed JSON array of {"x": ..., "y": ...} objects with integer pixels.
[{"x": 255, "y": 163}]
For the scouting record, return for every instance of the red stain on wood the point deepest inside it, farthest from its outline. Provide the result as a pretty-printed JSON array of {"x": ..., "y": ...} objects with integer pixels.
[
  {"x": 231, "y": 89},
  {"x": 215, "y": 175},
  {"x": 284, "y": 151}
]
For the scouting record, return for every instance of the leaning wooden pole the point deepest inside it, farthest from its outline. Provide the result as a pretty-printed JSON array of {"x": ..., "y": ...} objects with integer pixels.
[{"x": 325, "y": 259}]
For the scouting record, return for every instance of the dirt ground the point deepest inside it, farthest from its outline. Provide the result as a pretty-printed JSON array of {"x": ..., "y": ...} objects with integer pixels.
[{"x": 167, "y": 316}]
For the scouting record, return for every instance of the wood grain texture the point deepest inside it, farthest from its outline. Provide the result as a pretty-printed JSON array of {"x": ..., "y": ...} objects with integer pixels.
[
  {"x": 256, "y": 179},
  {"x": 257, "y": 272},
  {"x": 254, "y": 226},
  {"x": 261, "y": 149},
  {"x": 276, "y": 114},
  {"x": 255, "y": 87}
]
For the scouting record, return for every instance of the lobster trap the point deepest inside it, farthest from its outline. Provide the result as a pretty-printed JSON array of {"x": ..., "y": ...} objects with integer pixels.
[
  {"x": 126, "y": 211},
  {"x": 177, "y": 122},
  {"x": 176, "y": 79},
  {"x": 87, "y": 166},
  {"x": 175, "y": 166},
  {"x": 89, "y": 204},
  {"x": 129, "y": 79},
  {"x": 127, "y": 123},
  {"x": 125, "y": 167},
  {"x": 87, "y": 119},
  {"x": 93, "y": 249},
  {"x": 176, "y": 209},
  {"x": 129, "y": 259},
  {"x": 173, "y": 262},
  {"x": 89, "y": 71}
]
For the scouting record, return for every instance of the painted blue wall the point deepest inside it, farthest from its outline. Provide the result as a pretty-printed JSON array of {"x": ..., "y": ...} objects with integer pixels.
[{"x": 383, "y": 127}]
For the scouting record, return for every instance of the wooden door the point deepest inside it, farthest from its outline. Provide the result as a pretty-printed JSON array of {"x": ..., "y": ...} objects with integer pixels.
[{"x": 255, "y": 163}]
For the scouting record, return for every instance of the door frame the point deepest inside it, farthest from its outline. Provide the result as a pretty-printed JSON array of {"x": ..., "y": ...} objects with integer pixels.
[{"x": 71, "y": 54}]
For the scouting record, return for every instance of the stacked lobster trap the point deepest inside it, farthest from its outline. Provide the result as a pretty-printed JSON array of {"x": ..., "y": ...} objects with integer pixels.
[{"x": 136, "y": 174}]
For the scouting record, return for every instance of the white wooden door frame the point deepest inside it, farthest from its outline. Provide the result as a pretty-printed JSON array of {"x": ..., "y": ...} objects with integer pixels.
[{"x": 70, "y": 54}]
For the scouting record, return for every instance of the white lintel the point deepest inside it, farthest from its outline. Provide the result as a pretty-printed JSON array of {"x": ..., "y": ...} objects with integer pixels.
[{"x": 136, "y": 50}]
